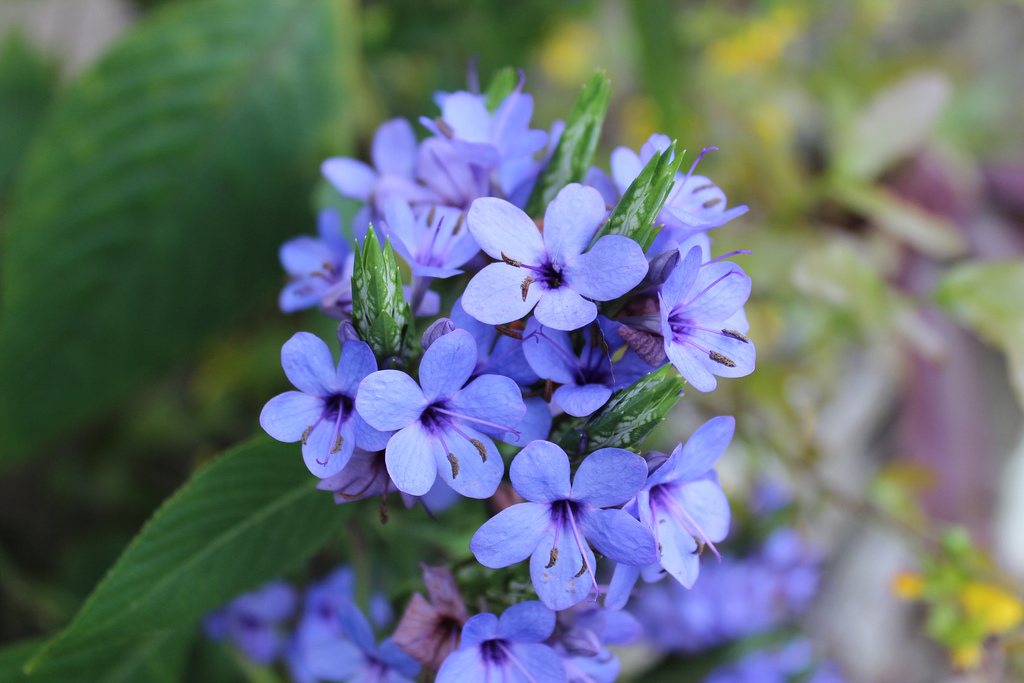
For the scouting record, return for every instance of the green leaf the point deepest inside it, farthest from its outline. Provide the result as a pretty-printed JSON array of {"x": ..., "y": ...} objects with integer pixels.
[
  {"x": 638, "y": 208},
  {"x": 380, "y": 312},
  {"x": 153, "y": 201},
  {"x": 894, "y": 126},
  {"x": 159, "y": 657},
  {"x": 27, "y": 84},
  {"x": 571, "y": 158},
  {"x": 927, "y": 232},
  {"x": 630, "y": 414},
  {"x": 501, "y": 86},
  {"x": 244, "y": 519},
  {"x": 987, "y": 297}
]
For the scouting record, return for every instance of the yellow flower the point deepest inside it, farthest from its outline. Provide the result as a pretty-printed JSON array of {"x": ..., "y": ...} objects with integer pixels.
[
  {"x": 966, "y": 656},
  {"x": 757, "y": 46},
  {"x": 907, "y": 585},
  {"x": 999, "y": 610}
]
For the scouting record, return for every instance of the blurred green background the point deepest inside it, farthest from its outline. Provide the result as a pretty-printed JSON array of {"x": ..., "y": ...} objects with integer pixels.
[{"x": 153, "y": 156}]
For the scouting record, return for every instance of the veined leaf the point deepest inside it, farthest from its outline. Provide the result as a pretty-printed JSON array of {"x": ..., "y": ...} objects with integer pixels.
[
  {"x": 575, "y": 150},
  {"x": 244, "y": 519},
  {"x": 638, "y": 208},
  {"x": 153, "y": 201}
]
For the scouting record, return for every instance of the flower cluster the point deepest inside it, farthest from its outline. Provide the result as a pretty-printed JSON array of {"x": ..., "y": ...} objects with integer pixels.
[{"x": 576, "y": 289}]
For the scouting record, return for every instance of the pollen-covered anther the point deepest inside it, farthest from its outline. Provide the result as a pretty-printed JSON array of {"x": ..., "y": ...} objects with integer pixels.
[
  {"x": 509, "y": 332},
  {"x": 479, "y": 449},
  {"x": 337, "y": 444},
  {"x": 458, "y": 224},
  {"x": 553, "y": 560},
  {"x": 305, "y": 434},
  {"x": 583, "y": 569},
  {"x": 431, "y": 214},
  {"x": 721, "y": 358},
  {"x": 454, "y": 463},
  {"x": 525, "y": 287},
  {"x": 699, "y": 550},
  {"x": 510, "y": 261},
  {"x": 443, "y": 126},
  {"x": 736, "y": 335}
]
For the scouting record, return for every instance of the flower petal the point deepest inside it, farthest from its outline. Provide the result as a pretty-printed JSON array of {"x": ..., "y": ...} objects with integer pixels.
[
  {"x": 355, "y": 364},
  {"x": 498, "y": 226},
  {"x": 690, "y": 363},
  {"x": 467, "y": 115},
  {"x": 540, "y": 663},
  {"x": 389, "y": 399},
  {"x": 325, "y": 452},
  {"x": 495, "y": 295},
  {"x": 511, "y": 535},
  {"x": 368, "y": 438},
  {"x": 612, "y": 267},
  {"x": 609, "y": 477},
  {"x": 540, "y": 473},
  {"x": 623, "y": 579},
  {"x": 571, "y": 220},
  {"x": 479, "y": 628},
  {"x": 490, "y": 398},
  {"x": 526, "y": 622},
  {"x": 394, "y": 148},
  {"x": 728, "y": 288},
  {"x": 701, "y": 451},
  {"x": 549, "y": 353},
  {"x": 305, "y": 255},
  {"x": 309, "y": 365},
  {"x": 536, "y": 424},
  {"x": 447, "y": 365},
  {"x": 677, "y": 548},
  {"x": 706, "y": 503},
  {"x": 684, "y": 275},
  {"x": 563, "y": 309},
  {"x": 410, "y": 459},
  {"x": 626, "y": 166},
  {"x": 558, "y": 572},
  {"x": 619, "y": 537},
  {"x": 464, "y": 468},
  {"x": 465, "y": 664},
  {"x": 352, "y": 178},
  {"x": 583, "y": 400},
  {"x": 288, "y": 415}
]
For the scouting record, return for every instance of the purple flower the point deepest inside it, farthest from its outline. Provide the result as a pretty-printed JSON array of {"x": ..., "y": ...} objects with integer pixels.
[
  {"x": 582, "y": 642},
  {"x": 365, "y": 476},
  {"x": 587, "y": 379},
  {"x": 442, "y": 421},
  {"x": 253, "y": 621},
  {"x": 393, "y": 173},
  {"x": 508, "y": 649},
  {"x": 454, "y": 180},
  {"x": 698, "y": 305},
  {"x": 315, "y": 266},
  {"x": 322, "y": 413},
  {"x": 560, "y": 523},
  {"x": 551, "y": 271},
  {"x": 430, "y": 630},
  {"x": 435, "y": 244},
  {"x": 694, "y": 204}
]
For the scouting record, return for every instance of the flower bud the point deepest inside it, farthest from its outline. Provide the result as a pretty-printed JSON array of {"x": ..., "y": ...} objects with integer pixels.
[
  {"x": 582, "y": 642},
  {"x": 437, "y": 329},
  {"x": 661, "y": 267},
  {"x": 347, "y": 332}
]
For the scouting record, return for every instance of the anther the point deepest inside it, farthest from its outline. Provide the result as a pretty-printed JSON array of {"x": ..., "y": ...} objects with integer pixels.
[
  {"x": 711, "y": 202},
  {"x": 454, "y": 463},
  {"x": 525, "y": 287},
  {"x": 549, "y": 389},
  {"x": 337, "y": 444},
  {"x": 736, "y": 335},
  {"x": 430, "y": 215},
  {"x": 305, "y": 434},
  {"x": 724, "y": 360},
  {"x": 597, "y": 339},
  {"x": 458, "y": 224},
  {"x": 443, "y": 126},
  {"x": 480, "y": 449},
  {"x": 583, "y": 569},
  {"x": 554, "y": 558},
  {"x": 508, "y": 332},
  {"x": 511, "y": 261},
  {"x": 700, "y": 546}
]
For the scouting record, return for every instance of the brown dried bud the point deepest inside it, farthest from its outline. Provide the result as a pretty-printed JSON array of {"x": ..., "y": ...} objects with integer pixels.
[{"x": 650, "y": 347}]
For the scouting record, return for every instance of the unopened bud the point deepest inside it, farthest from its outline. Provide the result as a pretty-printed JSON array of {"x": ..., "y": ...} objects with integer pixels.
[
  {"x": 437, "y": 329},
  {"x": 661, "y": 267},
  {"x": 347, "y": 332},
  {"x": 582, "y": 642}
]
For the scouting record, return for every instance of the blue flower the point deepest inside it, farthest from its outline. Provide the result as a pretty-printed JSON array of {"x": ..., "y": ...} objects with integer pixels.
[
  {"x": 551, "y": 271},
  {"x": 435, "y": 244},
  {"x": 322, "y": 413},
  {"x": 702, "y": 322},
  {"x": 556, "y": 528},
  {"x": 508, "y": 649},
  {"x": 443, "y": 422},
  {"x": 253, "y": 621},
  {"x": 585, "y": 633},
  {"x": 319, "y": 268}
]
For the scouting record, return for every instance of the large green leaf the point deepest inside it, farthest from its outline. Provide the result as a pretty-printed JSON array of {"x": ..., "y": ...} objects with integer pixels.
[
  {"x": 989, "y": 298},
  {"x": 159, "y": 657},
  {"x": 246, "y": 518},
  {"x": 154, "y": 199},
  {"x": 575, "y": 150},
  {"x": 27, "y": 83}
]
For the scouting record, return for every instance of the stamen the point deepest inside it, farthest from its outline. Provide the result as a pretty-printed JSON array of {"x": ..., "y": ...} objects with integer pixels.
[
  {"x": 480, "y": 448},
  {"x": 443, "y": 126},
  {"x": 711, "y": 202},
  {"x": 473, "y": 419},
  {"x": 337, "y": 444},
  {"x": 549, "y": 389},
  {"x": 708, "y": 288},
  {"x": 430, "y": 215},
  {"x": 724, "y": 360},
  {"x": 582, "y": 569},
  {"x": 583, "y": 552},
  {"x": 509, "y": 332},
  {"x": 554, "y": 558},
  {"x": 511, "y": 658},
  {"x": 305, "y": 434},
  {"x": 736, "y": 335},
  {"x": 675, "y": 508},
  {"x": 525, "y": 287},
  {"x": 458, "y": 224},
  {"x": 359, "y": 494},
  {"x": 731, "y": 253},
  {"x": 511, "y": 261},
  {"x": 454, "y": 463}
]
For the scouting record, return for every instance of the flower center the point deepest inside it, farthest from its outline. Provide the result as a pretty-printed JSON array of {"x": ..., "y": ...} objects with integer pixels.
[{"x": 493, "y": 653}]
